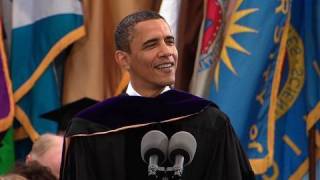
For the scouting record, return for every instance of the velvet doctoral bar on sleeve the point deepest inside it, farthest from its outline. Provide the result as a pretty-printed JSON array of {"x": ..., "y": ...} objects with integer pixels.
[{"x": 103, "y": 142}]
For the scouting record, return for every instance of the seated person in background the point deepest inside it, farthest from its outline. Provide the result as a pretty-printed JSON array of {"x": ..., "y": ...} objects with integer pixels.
[
  {"x": 103, "y": 141},
  {"x": 47, "y": 151}
]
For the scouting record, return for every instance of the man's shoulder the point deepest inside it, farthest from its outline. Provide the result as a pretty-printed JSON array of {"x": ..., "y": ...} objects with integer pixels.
[
  {"x": 171, "y": 99},
  {"x": 168, "y": 105},
  {"x": 213, "y": 117}
]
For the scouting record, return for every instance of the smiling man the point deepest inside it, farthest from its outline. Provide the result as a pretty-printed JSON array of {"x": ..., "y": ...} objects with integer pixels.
[
  {"x": 103, "y": 141},
  {"x": 147, "y": 50}
]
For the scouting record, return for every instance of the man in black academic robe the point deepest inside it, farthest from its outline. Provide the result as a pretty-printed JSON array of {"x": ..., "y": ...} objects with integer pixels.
[{"x": 103, "y": 141}]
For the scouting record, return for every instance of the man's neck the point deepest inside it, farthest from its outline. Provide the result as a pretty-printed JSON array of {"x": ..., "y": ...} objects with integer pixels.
[{"x": 145, "y": 92}]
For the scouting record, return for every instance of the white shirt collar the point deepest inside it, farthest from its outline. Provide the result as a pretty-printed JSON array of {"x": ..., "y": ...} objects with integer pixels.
[{"x": 131, "y": 92}]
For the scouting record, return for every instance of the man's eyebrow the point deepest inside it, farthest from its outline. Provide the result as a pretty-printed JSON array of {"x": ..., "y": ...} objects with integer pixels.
[
  {"x": 150, "y": 41},
  {"x": 154, "y": 40},
  {"x": 169, "y": 37}
]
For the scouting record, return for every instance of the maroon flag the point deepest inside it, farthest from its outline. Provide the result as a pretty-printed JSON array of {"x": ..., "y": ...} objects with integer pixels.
[{"x": 189, "y": 23}]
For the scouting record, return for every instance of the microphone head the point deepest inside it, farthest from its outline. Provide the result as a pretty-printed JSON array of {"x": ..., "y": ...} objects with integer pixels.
[
  {"x": 182, "y": 143},
  {"x": 154, "y": 143}
]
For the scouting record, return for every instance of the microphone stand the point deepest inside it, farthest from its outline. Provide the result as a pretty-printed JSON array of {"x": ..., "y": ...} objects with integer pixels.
[
  {"x": 178, "y": 166},
  {"x": 153, "y": 168},
  {"x": 166, "y": 173}
]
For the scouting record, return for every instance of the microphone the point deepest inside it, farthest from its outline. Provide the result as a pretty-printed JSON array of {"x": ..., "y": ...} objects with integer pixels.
[
  {"x": 182, "y": 147},
  {"x": 154, "y": 146}
]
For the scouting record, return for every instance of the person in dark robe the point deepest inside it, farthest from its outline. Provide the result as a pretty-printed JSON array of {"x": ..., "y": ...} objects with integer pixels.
[{"x": 103, "y": 141}]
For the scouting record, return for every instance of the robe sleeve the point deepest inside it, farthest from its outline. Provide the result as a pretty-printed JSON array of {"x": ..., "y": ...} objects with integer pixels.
[
  {"x": 94, "y": 157},
  {"x": 229, "y": 159}
]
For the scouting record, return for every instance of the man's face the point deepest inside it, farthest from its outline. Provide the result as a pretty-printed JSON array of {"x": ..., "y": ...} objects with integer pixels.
[{"x": 152, "y": 61}]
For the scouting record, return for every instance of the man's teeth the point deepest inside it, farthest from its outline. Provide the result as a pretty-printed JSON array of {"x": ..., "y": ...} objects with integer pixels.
[{"x": 168, "y": 65}]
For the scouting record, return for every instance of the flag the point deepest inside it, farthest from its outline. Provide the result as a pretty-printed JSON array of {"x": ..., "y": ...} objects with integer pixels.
[
  {"x": 170, "y": 10},
  {"x": 6, "y": 95},
  {"x": 7, "y": 157},
  {"x": 298, "y": 106},
  {"x": 189, "y": 23},
  {"x": 245, "y": 79},
  {"x": 41, "y": 30},
  {"x": 267, "y": 82},
  {"x": 6, "y": 112},
  {"x": 209, "y": 46}
]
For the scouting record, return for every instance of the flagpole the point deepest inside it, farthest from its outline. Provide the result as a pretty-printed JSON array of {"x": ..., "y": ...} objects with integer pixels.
[{"x": 312, "y": 153}]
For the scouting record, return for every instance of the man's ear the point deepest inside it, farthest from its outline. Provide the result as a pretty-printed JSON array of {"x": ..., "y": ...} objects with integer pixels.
[{"x": 122, "y": 59}]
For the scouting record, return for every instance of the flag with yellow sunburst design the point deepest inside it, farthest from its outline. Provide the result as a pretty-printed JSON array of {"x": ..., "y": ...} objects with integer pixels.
[
  {"x": 244, "y": 77},
  {"x": 267, "y": 82}
]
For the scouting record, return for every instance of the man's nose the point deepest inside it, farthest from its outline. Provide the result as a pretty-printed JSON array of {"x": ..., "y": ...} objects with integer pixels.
[{"x": 165, "y": 50}]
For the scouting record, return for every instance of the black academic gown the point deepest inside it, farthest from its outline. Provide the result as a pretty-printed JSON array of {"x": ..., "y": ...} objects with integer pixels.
[{"x": 103, "y": 142}]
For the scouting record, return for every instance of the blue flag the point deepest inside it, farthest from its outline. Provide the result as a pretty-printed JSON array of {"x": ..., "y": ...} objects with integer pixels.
[
  {"x": 267, "y": 82},
  {"x": 245, "y": 74},
  {"x": 298, "y": 108},
  {"x": 42, "y": 29}
]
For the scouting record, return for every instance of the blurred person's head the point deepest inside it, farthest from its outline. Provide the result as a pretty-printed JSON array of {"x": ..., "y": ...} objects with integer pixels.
[
  {"x": 34, "y": 171},
  {"x": 146, "y": 49},
  {"x": 47, "y": 151}
]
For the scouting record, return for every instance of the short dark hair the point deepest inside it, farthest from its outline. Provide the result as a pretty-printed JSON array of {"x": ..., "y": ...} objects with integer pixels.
[{"x": 123, "y": 33}]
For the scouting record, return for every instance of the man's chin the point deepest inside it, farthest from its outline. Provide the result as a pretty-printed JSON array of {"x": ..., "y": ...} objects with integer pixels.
[{"x": 168, "y": 83}]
